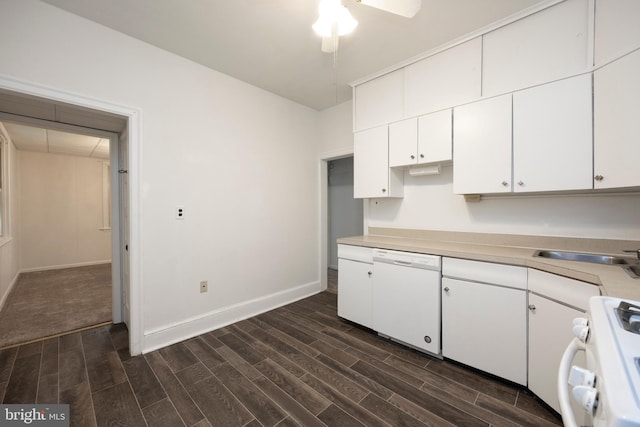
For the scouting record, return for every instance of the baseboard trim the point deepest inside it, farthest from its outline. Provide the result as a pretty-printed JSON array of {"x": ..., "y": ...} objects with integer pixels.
[
  {"x": 60, "y": 267},
  {"x": 180, "y": 331},
  {"x": 4, "y": 297}
]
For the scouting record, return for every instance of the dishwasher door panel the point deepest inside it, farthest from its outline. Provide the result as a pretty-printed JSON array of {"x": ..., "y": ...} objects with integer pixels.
[{"x": 406, "y": 305}]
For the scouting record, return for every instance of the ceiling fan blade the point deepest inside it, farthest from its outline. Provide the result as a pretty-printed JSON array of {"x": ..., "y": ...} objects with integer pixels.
[{"x": 406, "y": 8}]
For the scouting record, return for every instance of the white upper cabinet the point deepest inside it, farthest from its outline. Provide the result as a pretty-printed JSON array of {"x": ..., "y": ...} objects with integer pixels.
[
  {"x": 552, "y": 136},
  {"x": 539, "y": 48},
  {"x": 372, "y": 176},
  {"x": 426, "y": 139},
  {"x": 403, "y": 143},
  {"x": 617, "y": 124},
  {"x": 435, "y": 137},
  {"x": 378, "y": 101},
  {"x": 482, "y": 146},
  {"x": 617, "y": 29},
  {"x": 448, "y": 78}
]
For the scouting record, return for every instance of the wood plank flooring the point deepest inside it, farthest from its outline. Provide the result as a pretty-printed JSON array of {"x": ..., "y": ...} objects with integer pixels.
[{"x": 295, "y": 365}]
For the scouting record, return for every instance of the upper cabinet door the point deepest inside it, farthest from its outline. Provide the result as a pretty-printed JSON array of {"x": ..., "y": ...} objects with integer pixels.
[
  {"x": 435, "y": 137},
  {"x": 378, "y": 101},
  {"x": 446, "y": 79},
  {"x": 617, "y": 29},
  {"x": 539, "y": 48},
  {"x": 617, "y": 124},
  {"x": 372, "y": 176},
  {"x": 552, "y": 136},
  {"x": 482, "y": 146},
  {"x": 403, "y": 143}
]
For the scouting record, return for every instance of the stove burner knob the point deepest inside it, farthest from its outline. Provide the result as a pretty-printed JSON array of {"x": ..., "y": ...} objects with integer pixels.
[
  {"x": 580, "y": 376},
  {"x": 586, "y": 396},
  {"x": 581, "y": 332},
  {"x": 582, "y": 321}
]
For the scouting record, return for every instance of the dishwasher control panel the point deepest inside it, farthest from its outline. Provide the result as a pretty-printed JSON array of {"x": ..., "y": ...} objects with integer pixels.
[{"x": 409, "y": 259}]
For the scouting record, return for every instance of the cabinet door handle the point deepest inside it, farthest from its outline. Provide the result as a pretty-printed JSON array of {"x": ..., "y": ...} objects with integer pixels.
[
  {"x": 446, "y": 289},
  {"x": 384, "y": 190},
  {"x": 422, "y": 156},
  {"x": 520, "y": 183},
  {"x": 413, "y": 157},
  {"x": 532, "y": 307},
  {"x": 505, "y": 183},
  {"x": 369, "y": 273},
  {"x": 598, "y": 177}
]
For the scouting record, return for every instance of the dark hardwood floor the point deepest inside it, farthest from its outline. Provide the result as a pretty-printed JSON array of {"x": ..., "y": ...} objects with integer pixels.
[{"x": 295, "y": 365}]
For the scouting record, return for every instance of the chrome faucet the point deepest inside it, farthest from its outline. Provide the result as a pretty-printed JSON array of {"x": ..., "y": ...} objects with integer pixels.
[{"x": 633, "y": 251}]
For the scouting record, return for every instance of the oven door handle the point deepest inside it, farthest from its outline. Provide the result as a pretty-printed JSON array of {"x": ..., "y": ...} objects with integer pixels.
[{"x": 568, "y": 418}]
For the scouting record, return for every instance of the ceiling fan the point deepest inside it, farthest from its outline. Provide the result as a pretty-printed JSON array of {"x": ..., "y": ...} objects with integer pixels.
[{"x": 335, "y": 19}]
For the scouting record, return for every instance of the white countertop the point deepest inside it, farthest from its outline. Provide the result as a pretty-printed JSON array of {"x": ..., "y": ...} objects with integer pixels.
[{"x": 612, "y": 279}]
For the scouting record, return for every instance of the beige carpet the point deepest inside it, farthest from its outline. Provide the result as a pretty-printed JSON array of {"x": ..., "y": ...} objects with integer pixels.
[{"x": 47, "y": 303}]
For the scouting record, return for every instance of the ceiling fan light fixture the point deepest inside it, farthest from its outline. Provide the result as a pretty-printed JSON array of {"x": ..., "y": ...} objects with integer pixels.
[{"x": 334, "y": 19}]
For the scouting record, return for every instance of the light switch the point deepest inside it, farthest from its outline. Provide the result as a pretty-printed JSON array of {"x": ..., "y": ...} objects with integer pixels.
[{"x": 179, "y": 212}]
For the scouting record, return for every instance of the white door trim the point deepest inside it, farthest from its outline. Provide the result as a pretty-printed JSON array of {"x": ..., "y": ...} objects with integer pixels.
[
  {"x": 323, "y": 173},
  {"x": 136, "y": 334}
]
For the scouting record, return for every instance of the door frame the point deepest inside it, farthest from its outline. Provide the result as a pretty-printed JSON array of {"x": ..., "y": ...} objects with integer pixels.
[
  {"x": 323, "y": 166},
  {"x": 133, "y": 115}
]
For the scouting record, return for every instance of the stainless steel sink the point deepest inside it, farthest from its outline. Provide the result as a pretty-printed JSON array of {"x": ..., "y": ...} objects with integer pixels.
[
  {"x": 576, "y": 256},
  {"x": 630, "y": 265}
]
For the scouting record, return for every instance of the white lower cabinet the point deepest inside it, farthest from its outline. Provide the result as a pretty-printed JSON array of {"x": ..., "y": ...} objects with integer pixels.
[
  {"x": 485, "y": 325},
  {"x": 489, "y": 320},
  {"x": 355, "y": 284},
  {"x": 554, "y": 302}
]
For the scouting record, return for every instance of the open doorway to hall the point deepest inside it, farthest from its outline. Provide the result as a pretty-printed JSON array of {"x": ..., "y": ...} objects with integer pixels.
[
  {"x": 345, "y": 214},
  {"x": 64, "y": 231},
  {"x": 62, "y": 120}
]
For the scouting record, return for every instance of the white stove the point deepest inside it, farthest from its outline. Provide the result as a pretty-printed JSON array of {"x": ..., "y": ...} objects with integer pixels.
[{"x": 609, "y": 388}]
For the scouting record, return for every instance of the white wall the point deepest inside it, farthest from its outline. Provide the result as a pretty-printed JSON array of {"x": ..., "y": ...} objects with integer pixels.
[
  {"x": 61, "y": 211},
  {"x": 242, "y": 161},
  {"x": 429, "y": 203},
  {"x": 9, "y": 242}
]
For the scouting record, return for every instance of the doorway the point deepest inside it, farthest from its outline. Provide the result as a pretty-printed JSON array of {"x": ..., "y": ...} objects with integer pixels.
[
  {"x": 24, "y": 103},
  {"x": 63, "y": 226},
  {"x": 344, "y": 213}
]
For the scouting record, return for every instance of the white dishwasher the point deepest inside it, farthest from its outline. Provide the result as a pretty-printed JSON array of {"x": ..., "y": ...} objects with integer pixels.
[{"x": 406, "y": 298}]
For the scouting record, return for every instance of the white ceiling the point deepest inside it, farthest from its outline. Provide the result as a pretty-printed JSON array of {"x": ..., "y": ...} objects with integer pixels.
[
  {"x": 30, "y": 138},
  {"x": 270, "y": 43}
]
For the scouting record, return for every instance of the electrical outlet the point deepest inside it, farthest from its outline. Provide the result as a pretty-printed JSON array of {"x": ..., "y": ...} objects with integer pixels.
[
  {"x": 204, "y": 286},
  {"x": 179, "y": 212}
]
